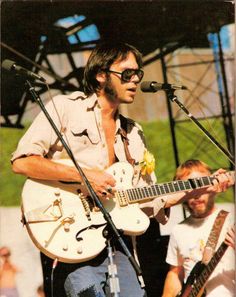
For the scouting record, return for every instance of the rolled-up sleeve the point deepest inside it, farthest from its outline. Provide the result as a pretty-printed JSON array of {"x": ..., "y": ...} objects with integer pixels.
[
  {"x": 40, "y": 136},
  {"x": 173, "y": 257}
]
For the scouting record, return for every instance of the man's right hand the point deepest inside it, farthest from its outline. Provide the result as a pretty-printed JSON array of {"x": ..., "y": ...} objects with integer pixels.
[{"x": 102, "y": 182}]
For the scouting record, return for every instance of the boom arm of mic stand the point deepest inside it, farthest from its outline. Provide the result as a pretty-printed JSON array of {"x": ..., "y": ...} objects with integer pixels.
[
  {"x": 173, "y": 98},
  {"x": 106, "y": 215}
]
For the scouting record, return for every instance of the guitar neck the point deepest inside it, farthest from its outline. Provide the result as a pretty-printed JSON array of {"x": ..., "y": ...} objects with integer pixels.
[
  {"x": 207, "y": 271},
  {"x": 140, "y": 194}
]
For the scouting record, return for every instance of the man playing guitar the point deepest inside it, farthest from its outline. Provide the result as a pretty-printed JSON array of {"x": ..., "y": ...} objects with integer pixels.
[{"x": 188, "y": 240}]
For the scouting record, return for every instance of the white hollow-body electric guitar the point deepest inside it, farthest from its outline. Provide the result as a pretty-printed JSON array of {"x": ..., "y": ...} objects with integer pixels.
[{"x": 65, "y": 224}]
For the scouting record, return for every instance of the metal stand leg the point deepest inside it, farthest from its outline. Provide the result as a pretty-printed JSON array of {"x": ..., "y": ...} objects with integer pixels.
[{"x": 112, "y": 273}]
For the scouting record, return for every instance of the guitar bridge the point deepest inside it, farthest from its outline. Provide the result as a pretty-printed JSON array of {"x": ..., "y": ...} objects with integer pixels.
[{"x": 86, "y": 206}]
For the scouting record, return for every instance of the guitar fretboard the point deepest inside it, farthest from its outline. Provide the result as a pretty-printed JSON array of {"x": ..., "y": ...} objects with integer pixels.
[
  {"x": 149, "y": 192},
  {"x": 139, "y": 194},
  {"x": 208, "y": 269}
]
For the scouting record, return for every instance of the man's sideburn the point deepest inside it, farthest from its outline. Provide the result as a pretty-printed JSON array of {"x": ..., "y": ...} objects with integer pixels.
[{"x": 109, "y": 89}]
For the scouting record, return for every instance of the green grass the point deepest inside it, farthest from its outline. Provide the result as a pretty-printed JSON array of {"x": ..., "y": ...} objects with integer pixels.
[
  {"x": 10, "y": 183},
  {"x": 190, "y": 141}
]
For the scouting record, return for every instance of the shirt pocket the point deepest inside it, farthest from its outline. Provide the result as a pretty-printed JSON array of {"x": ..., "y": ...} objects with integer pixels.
[{"x": 84, "y": 137}]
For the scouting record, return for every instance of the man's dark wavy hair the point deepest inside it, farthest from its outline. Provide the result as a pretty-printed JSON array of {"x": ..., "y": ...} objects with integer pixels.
[{"x": 102, "y": 57}]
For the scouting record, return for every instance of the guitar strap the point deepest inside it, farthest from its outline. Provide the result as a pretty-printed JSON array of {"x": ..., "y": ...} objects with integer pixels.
[
  {"x": 214, "y": 236},
  {"x": 123, "y": 132}
]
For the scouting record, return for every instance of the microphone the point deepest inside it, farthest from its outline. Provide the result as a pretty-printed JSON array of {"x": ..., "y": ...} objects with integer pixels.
[
  {"x": 13, "y": 67},
  {"x": 153, "y": 86}
]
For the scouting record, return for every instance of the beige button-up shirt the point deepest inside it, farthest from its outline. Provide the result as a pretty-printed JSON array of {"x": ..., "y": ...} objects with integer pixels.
[{"x": 79, "y": 120}]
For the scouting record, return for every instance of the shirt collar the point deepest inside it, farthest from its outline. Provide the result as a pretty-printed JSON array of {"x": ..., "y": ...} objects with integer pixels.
[
  {"x": 92, "y": 104},
  {"x": 91, "y": 101}
]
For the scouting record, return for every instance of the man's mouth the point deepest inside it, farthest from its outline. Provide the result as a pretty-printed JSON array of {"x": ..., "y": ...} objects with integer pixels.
[
  {"x": 198, "y": 202},
  {"x": 132, "y": 90}
]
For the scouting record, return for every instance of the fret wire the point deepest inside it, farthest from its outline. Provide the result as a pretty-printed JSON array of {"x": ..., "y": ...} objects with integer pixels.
[
  {"x": 205, "y": 275},
  {"x": 193, "y": 182},
  {"x": 176, "y": 186},
  {"x": 199, "y": 286},
  {"x": 146, "y": 192},
  {"x": 199, "y": 181},
  {"x": 200, "y": 282},
  {"x": 157, "y": 189},
  {"x": 154, "y": 191},
  {"x": 130, "y": 194},
  {"x": 153, "y": 188},
  {"x": 187, "y": 185},
  {"x": 194, "y": 292},
  {"x": 171, "y": 187},
  {"x": 150, "y": 191},
  {"x": 135, "y": 192},
  {"x": 139, "y": 193},
  {"x": 206, "y": 181},
  {"x": 209, "y": 267},
  {"x": 166, "y": 188},
  {"x": 213, "y": 260},
  {"x": 162, "y": 190},
  {"x": 181, "y": 185},
  {"x": 143, "y": 192}
]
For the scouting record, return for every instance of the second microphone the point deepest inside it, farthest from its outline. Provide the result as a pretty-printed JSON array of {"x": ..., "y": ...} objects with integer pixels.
[{"x": 153, "y": 86}]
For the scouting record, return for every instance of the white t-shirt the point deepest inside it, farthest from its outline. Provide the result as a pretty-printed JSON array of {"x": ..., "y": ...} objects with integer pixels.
[{"x": 186, "y": 245}]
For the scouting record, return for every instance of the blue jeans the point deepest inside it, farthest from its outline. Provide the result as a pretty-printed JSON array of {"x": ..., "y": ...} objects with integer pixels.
[{"x": 90, "y": 279}]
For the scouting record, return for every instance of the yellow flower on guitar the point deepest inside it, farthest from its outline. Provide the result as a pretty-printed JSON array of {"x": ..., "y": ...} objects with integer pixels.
[{"x": 148, "y": 163}]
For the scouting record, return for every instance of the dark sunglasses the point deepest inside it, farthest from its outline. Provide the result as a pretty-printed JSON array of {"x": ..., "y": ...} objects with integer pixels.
[{"x": 127, "y": 74}]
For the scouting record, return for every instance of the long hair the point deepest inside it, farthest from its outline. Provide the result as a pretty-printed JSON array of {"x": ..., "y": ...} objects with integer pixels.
[{"x": 101, "y": 58}]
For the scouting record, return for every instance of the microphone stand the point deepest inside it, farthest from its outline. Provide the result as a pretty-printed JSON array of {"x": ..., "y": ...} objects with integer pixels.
[
  {"x": 171, "y": 96},
  {"x": 112, "y": 268},
  {"x": 106, "y": 215}
]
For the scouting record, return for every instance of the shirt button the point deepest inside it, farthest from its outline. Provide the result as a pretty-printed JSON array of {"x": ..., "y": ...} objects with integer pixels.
[{"x": 103, "y": 145}]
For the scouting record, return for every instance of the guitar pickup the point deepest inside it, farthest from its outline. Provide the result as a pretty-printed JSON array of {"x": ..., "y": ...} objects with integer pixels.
[{"x": 46, "y": 213}]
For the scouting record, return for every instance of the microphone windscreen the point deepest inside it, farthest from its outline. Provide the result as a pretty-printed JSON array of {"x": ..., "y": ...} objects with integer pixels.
[
  {"x": 7, "y": 64},
  {"x": 146, "y": 86}
]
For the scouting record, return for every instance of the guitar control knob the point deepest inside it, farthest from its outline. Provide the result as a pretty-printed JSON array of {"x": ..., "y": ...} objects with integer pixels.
[
  {"x": 57, "y": 192},
  {"x": 71, "y": 216},
  {"x": 65, "y": 247},
  {"x": 79, "y": 249},
  {"x": 67, "y": 227}
]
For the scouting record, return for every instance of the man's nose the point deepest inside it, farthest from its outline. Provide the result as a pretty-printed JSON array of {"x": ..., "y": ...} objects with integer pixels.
[{"x": 135, "y": 78}]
